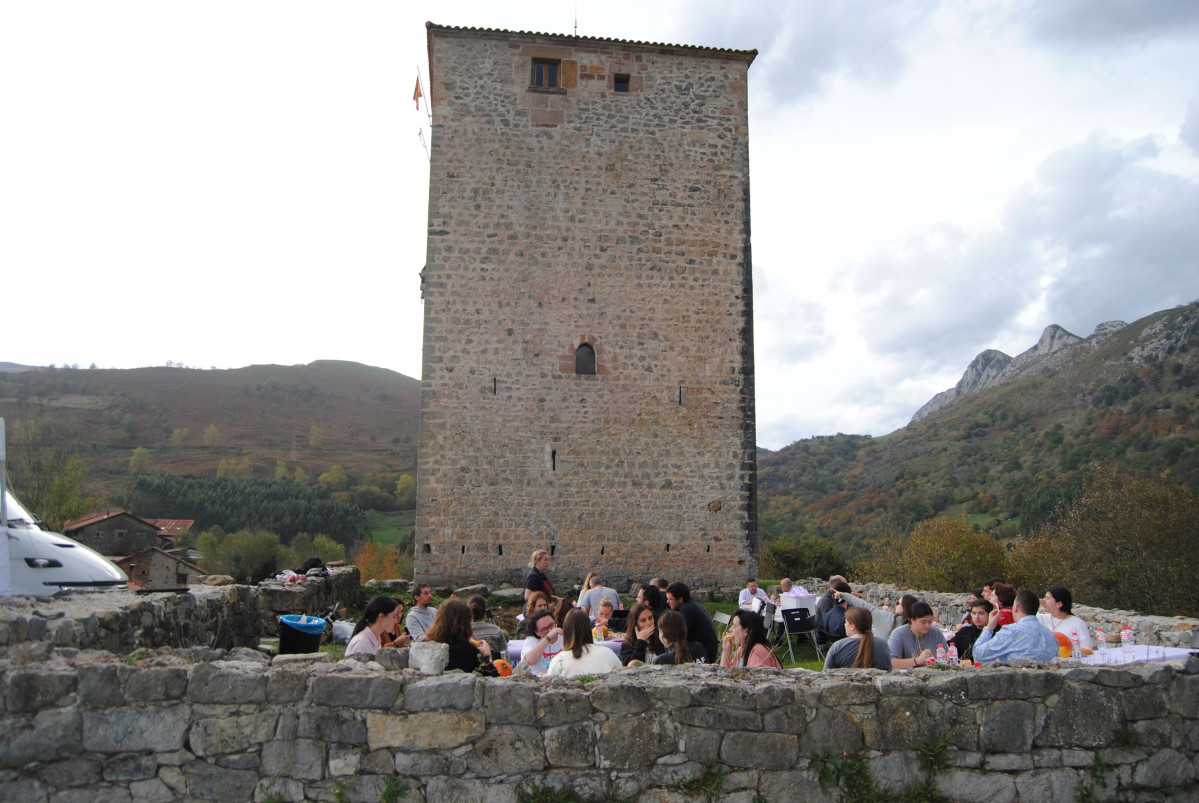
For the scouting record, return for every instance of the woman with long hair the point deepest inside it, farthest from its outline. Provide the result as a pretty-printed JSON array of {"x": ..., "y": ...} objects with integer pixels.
[
  {"x": 641, "y": 636},
  {"x": 860, "y": 649},
  {"x": 580, "y": 654},
  {"x": 381, "y": 617},
  {"x": 453, "y": 627},
  {"x": 536, "y": 603},
  {"x": 746, "y": 642},
  {"x": 536, "y": 580},
  {"x": 672, "y": 631},
  {"x": 903, "y": 608},
  {"x": 543, "y": 643}
]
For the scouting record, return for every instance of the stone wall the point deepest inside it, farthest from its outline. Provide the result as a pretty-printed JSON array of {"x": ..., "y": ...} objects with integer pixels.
[
  {"x": 343, "y": 586},
  {"x": 85, "y": 726},
  {"x": 582, "y": 215}
]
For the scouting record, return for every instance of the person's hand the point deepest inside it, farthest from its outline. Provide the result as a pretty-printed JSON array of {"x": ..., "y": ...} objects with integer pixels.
[
  {"x": 402, "y": 640},
  {"x": 992, "y": 619},
  {"x": 485, "y": 648},
  {"x": 554, "y": 634},
  {"x": 645, "y": 633},
  {"x": 923, "y": 656}
]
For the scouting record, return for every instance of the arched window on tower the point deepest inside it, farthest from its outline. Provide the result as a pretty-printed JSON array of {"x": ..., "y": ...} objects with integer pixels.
[{"x": 585, "y": 360}]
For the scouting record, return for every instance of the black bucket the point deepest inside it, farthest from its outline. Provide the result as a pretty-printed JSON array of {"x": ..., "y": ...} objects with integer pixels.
[{"x": 300, "y": 634}]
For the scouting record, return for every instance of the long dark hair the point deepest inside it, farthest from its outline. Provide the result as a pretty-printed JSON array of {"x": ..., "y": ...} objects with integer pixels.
[
  {"x": 452, "y": 623},
  {"x": 630, "y": 631},
  {"x": 863, "y": 622},
  {"x": 478, "y": 608},
  {"x": 905, "y": 603},
  {"x": 673, "y": 628},
  {"x": 1063, "y": 595},
  {"x": 755, "y": 631},
  {"x": 576, "y": 633},
  {"x": 379, "y": 606}
]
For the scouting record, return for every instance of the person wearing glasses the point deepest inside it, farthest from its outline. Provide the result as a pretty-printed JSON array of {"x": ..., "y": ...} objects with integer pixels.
[
  {"x": 543, "y": 643},
  {"x": 917, "y": 641}
]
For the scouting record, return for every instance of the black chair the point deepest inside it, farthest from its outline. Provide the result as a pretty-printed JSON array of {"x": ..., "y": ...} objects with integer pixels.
[{"x": 798, "y": 622}]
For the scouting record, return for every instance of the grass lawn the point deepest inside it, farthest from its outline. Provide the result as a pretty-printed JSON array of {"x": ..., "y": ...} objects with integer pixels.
[{"x": 392, "y": 528}]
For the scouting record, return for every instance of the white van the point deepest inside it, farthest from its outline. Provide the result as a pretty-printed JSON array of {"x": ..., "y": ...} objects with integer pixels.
[{"x": 42, "y": 562}]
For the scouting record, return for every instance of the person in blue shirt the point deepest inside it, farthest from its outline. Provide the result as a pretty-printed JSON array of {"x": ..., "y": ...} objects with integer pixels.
[{"x": 1026, "y": 638}]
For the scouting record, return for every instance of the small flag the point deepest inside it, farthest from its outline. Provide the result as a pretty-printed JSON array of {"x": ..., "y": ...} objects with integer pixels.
[{"x": 417, "y": 94}]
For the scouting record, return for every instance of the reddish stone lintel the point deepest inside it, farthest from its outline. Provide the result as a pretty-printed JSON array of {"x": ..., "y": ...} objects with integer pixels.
[{"x": 547, "y": 117}]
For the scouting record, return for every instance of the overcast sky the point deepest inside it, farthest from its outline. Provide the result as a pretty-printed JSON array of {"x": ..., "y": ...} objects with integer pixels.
[{"x": 235, "y": 183}]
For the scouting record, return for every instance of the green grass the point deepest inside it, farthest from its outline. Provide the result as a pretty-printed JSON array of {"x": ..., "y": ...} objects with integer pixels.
[
  {"x": 392, "y": 528},
  {"x": 805, "y": 653}
]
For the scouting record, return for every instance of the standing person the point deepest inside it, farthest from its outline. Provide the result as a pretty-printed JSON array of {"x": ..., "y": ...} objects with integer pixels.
[
  {"x": 482, "y": 629},
  {"x": 964, "y": 639},
  {"x": 699, "y": 624},
  {"x": 746, "y": 643},
  {"x": 580, "y": 655},
  {"x": 1056, "y": 615},
  {"x": 382, "y": 615},
  {"x": 1024, "y": 638},
  {"x": 917, "y": 641},
  {"x": 672, "y": 630},
  {"x": 452, "y": 626},
  {"x": 421, "y": 617},
  {"x": 536, "y": 580},
  {"x": 543, "y": 643},
  {"x": 641, "y": 636},
  {"x": 592, "y": 594},
  {"x": 751, "y": 592},
  {"x": 860, "y": 649}
]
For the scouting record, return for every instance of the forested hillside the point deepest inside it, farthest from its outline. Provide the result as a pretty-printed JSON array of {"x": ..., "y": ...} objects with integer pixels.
[{"x": 1005, "y": 458}]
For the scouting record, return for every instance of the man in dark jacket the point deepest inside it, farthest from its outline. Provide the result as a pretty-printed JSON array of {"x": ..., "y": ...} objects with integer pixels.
[{"x": 699, "y": 624}]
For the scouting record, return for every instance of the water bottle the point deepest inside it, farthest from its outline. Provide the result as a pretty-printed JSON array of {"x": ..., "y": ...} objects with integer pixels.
[
  {"x": 1075, "y": 646},
  {"x": 1100, "y": 640},
  {"x": 940, "y": 653},
  {"x": 953, "y": 655},
  {"x": 1127, "y": 640},
  {"x": 886, "y": 608}
]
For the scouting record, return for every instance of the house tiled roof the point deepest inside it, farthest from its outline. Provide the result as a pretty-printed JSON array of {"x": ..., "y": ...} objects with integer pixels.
[
  {"x": 172, "y": 527},
  {"x": 152, "y": 549},
  {"x": 432, "y": 26}
]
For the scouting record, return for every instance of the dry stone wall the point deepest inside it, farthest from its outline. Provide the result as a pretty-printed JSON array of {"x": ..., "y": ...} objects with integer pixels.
[
  {"x": 86, "y": 726},
  {"x": 578, "y": 216}
]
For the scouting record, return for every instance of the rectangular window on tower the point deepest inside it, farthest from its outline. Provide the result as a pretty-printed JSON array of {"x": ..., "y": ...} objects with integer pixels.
[{"x": 547, "y": 73}]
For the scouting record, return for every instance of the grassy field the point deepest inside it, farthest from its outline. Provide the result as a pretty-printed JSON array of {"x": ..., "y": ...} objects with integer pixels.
[{"x": 391, "y": 528}]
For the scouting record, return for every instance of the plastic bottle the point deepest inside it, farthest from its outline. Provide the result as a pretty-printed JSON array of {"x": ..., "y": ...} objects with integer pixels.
[
  {"x": 953, "y": 655},
  {"x": 1100, "y": 640},
  {"x": 886, "y": 608},
  {"x": 1075, "y": 645},
  {"x": 940, "y": 653},
  {"x": 1127, "y": 639}
]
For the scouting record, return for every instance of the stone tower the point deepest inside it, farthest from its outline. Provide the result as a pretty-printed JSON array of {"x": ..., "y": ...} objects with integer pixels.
[{"x": 588, "y": 376}]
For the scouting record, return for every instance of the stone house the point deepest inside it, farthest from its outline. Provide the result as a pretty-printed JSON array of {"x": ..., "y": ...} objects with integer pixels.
[
  {"x": 115, "y": 533},
  {"x": 588, "y": 376},
  {"x": 155, "y": 568}
]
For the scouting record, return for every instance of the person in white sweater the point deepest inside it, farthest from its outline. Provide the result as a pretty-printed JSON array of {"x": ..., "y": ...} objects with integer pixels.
[
  {"x": 580, "y": 655},
  {"x": 1057, "y": 616}
]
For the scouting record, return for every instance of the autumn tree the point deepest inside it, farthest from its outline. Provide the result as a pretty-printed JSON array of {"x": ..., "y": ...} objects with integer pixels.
[
  {"x": 941, "y": 554},
  {"x": 211, "y": 435},
  {"x": 316, "y": 437},
  {"x": 179, "y": 436},
  {"x": 139, "y": 461},
  {"x": 335, "y": 479},
  {"x": 405, "y": 492},
  {"x": 46, "y": 471},
  {"x": 280, "y": 469}
]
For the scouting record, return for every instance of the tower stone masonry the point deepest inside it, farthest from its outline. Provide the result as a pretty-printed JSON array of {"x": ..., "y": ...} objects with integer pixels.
[{"x": 588, "y": 381}]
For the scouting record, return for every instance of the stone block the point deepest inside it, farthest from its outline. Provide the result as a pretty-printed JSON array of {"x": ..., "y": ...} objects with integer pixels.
[
  {"x": 427, "y": 763},
  {"x": 1183, "y": 696},
  {"x": 724, "y": 694},
  {"x": 214, "y": 736},
  {"x": 896, "y": 771},
  {"x": 719, "y": 718},
  {"x": 562, "y": 707},
  {"x": 772, "y": 751},
  {"x": 227, "y": 682},
  {"x": 506, "y": 702},
  {"x": 507, "y": 749},
  {"x": 151, "y": 790},
  {"x": 901, "y": 685},
  {"x": 301, "y": 659},
  {"x": 1009, "y": 762},
  {"x": 796, "y": 785},
  {"x": 70, "y": 772},
  {"x": 635, "y": 741},
  {"x": 428, "y": 730},
  {"x": 1001, "y": 683},
  {"x": 286, "y": 685},
  {"x": 239, "y": 761},
  {"x": 27, "y": 791},
  {"x": 901, "y": 720},
  {"x": 787, "y": 719},
  {"x": 1008, "y": 727},
  {"x": 342, "y": 727},
  {"x": 344, "y": 761},
  {"x": 393, "y": 660},
  {"x": 960, "y": 786},
  {"x": 130, "y": 767},
  {"x": 101, "y": 685},
  {"x": 1083, "y": 715},
  {"x": 357, "y": 690},
  {"x": 103, "y": 793},
  {"x": 154, "y": 684},
  {"x": 210, "y": 782},
  {"x": 429, "y": 657},
  {"x": 620, "y": 697},
  {"x": 297, "y": 758},
  {"x": 570, "y": 746},
  {"x": 848, "y": 693},
  {"x": 454, "y": 691},
  {"x": 700, "y": 744},
  {"x": 1164, "y": 769},
  {"x": 35, "y": 688},
  {"x": 457, "y": 790},
  {"x": 830, "y": 729},
  {"x": 769, "y": 697},
  {"x": 1047, "y": 784},
  {"x": 586, "y": 785},
  {"x": 121, "y": 730}
]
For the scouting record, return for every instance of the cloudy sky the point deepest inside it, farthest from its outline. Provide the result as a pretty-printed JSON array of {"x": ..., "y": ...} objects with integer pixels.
[{"x": 222, "y": 184}]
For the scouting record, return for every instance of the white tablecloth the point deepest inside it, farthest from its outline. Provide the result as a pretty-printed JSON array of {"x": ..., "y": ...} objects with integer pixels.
[
  {"x": 1137, "y": 653},
  {"x": 516, "y": 645}
]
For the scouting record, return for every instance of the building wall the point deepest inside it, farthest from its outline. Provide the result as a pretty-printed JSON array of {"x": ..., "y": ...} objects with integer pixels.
[
  {"x": 584, "y": 215},
  {"x": 118, "y": 535},
  {"x": 158, "y": 570}
]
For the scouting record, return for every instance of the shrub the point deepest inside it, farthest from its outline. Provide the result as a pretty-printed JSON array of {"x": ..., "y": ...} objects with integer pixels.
[{"x": 943, "y": 554}]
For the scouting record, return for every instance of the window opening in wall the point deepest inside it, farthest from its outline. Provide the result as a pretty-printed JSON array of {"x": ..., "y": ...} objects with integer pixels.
[
  {"x": 585, "y": 360},
  {"x": 546, "y": 73},
  {"x": 426, "y": 548},
  {"x": 680, "y": 394},
  {"x": 620, "y": 82},
  {"x": 553, "y": 460},
  {"x": 495, "y": 385},
  {"x": 464, "y": 549},
  {"x": 553, "y": 549},
  {"x": 602, "y": 550},
  {"x": 708, "y": 548},
  {"x": 668, "y": 547},
  {"x": 499, "y": 549}
]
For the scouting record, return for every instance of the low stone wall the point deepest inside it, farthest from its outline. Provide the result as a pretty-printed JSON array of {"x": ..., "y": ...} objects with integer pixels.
[
  {"x": 343, "y": 586},
  {"x": 1158, "y": 631},
  {"x": 86, "y": 726},
  {"x": 123, "y": 621}
]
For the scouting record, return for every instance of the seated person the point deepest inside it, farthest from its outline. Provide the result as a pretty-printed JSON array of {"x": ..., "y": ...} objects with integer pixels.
[
  {"x": 788, "y": 589},
  {"x": 1055, "y": 614},
  {"x": 1003, "y": 596},
  {"x": 672, "y": 632},
  {"x": 914, "y": 643},
  {"x": 832, "y": 625},
  {"x": 641, "y": 636},
  {"x": 603, "y": 615},
  {"x": 382, "y": 615},
  {"x": 485, "y": 630},
  {"x": 1024, "y": 638},
  {"x": 975, "y": 596},
  {"x": 543, "y": 643},
  {"x": 964, "y": 639},
  {"x": 421, "y": 616},
  {"x": 590, "y": 598},
  {"x": 825, "y": 603},
  {"x": 580, "y": 655},
  {"x": 452, "y": 626},
  {"x": 746, "y": 643},
  {"x": 860, "y": 649},
  {"x": 750, "y": 593},
  {"x": 652, "y": 596}
]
